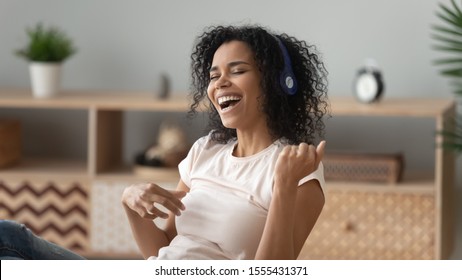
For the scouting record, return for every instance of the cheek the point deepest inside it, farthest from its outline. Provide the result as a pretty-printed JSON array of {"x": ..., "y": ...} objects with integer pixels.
[{"x": 210, "y": 93}]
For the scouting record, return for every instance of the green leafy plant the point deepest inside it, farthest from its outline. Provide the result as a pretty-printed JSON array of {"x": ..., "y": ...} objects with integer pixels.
[
  {"x": 46, "y": 45},
  {"x": 448, "y": 34}
]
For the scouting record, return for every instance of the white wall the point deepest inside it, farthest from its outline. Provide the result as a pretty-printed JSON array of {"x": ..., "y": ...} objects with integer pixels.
[{"x": 126, "y": 45}]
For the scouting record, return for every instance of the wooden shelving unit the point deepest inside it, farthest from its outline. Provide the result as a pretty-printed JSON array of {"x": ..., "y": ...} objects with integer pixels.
[
  {"x": 105, "y": 128},
  {"x": 408, "y": 220},
  {"x": 412, "y": 219},
  {"x": 33, "y": 189}
]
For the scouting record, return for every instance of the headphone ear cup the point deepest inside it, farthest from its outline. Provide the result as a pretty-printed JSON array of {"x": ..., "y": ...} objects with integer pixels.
[
  {"x": 287, "y": 78},
  {"x": 288, "y": 82}
]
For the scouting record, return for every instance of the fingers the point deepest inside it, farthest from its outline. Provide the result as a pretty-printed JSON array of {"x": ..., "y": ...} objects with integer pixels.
[
  {"x": 297, "y": 161},
  {"x": 308, "y": 152},
  {"x": 285, "y": 151},
  {"x": 304, "y": 148},
  {"x": 171, "y": 203},
  {"x": 169, "y": 199},
  {"x": 151, "y": 201},
  {"x": 153, "y": 212},
  {"x": 320, "y": 151},
  {"x": 178, "y": 194}
]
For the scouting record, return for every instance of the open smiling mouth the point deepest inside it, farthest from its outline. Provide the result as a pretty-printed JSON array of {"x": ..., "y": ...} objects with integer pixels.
[{"x": 228, "y": 102}]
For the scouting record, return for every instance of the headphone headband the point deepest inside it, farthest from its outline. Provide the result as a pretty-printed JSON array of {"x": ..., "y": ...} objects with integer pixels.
[{"x": 287, "y": 76}]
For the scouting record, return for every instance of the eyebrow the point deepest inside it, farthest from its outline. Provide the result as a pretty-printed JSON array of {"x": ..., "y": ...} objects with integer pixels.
[{"x": 231, "y": 64}]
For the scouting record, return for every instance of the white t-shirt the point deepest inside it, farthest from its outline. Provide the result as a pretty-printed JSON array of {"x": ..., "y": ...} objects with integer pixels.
[{"x": 228, "y": 201}]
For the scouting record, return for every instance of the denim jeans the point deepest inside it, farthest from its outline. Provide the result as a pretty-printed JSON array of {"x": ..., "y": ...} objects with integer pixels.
[{"x": 18, "y": 242}]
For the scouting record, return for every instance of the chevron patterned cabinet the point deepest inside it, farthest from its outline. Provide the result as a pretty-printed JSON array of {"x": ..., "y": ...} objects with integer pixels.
[{"x": 59, "y": 211}]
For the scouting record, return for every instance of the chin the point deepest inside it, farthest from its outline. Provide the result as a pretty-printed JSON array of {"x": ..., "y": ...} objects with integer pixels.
[{"x": 228, "y": 124}]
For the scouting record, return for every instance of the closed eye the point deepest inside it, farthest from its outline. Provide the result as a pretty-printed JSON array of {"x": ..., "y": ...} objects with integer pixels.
[{"x": 239, "y": 72}]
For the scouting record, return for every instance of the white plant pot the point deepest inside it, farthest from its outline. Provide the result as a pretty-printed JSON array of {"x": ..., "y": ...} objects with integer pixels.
[{"x": 45, "y": 79}]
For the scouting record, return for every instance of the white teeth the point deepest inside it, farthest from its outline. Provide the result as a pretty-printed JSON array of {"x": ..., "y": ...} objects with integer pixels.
[
  {"x": 224, "y": 99},
  {"x": 227, "y": 108}
]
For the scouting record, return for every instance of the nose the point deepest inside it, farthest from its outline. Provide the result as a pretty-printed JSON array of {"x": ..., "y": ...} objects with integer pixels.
[{"x": 222, "y": 82}]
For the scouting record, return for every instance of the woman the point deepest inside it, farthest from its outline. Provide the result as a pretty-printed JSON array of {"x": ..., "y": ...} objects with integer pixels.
[{"x": 251, "y": 188}]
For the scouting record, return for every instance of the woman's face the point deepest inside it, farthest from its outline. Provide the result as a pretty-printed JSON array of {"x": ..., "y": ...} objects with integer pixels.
[{"x": 234, "y": 87}]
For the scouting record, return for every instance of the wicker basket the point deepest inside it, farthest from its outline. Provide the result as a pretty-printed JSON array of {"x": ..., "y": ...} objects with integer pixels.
[{"x": 386, "y": 168}]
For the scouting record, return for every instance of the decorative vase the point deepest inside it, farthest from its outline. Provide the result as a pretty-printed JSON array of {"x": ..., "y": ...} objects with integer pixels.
[{"x": 45, "y": 79}]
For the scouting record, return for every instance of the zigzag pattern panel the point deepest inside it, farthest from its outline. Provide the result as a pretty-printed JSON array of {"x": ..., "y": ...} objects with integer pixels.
[
  {"x": 373, "y": 225},
  {"x": 58, "y": 212}
]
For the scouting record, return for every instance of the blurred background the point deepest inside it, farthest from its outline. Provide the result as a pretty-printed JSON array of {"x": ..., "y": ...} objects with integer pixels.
[{"x": 129, "y": 45}]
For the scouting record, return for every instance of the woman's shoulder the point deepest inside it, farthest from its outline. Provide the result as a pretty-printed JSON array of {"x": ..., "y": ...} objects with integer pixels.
[{"x": 207, "y": 142}]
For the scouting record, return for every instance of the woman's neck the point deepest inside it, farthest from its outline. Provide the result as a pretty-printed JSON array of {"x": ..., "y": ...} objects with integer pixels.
[{"x": 251, "y": 142}]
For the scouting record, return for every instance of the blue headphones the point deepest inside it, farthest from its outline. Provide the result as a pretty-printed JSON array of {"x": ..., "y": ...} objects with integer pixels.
[{"x": 287, "y": 77}]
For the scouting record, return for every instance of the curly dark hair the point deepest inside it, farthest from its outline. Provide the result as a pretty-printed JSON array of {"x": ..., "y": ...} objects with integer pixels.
[{"x": 296, "y": 118}]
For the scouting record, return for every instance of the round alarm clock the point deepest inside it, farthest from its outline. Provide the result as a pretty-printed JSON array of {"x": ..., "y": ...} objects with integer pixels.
[{"x": 368, "y": 84}]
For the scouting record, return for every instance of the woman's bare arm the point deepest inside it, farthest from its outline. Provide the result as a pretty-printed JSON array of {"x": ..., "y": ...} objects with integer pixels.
[
  {"x": 294, "y": 209},
  {"x": 139, "y": 203}
]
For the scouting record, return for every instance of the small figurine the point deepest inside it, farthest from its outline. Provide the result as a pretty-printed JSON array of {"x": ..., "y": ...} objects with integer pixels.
[
  {"x": 164, "y": 86},
  {"x": 170, "y": 149}
]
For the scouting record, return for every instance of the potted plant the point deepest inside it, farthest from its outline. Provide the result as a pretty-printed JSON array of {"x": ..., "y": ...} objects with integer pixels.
[
  {"x": 46, "y": 50},
  {"x": 449, "y": 38}
]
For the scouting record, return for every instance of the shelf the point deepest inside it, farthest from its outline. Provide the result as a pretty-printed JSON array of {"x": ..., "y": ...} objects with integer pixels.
[
  {"x": 104, "y": 100},
  {"x": 47, "y": 168},
  {"x": 407, "y": 186},
  {"x": 392, "y": 107},
  {"x": 116, "y": 100}
]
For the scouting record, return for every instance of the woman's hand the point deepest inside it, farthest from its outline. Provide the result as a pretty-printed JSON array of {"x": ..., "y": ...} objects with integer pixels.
[
  {"x": 142, "y": 198},
  {"x": 297, "y": 161}
]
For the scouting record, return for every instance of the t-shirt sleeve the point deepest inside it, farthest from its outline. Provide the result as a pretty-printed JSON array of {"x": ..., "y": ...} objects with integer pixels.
[
  {"x": 316, "y": 175},
  {"x": 186, "y": 165}
]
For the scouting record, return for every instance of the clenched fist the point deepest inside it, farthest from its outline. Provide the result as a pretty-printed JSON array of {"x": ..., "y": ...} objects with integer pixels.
[{"x": 297, "y": 161}]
